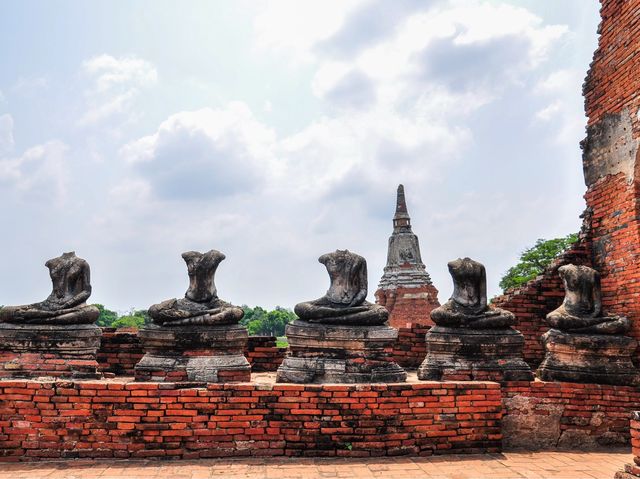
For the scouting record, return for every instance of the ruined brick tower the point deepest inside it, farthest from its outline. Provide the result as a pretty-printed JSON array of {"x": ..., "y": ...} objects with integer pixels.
[
  {"x": 405, "y": 288},
  {"x": 611, "y": 158},
  {"x": 610, "y": 240}
]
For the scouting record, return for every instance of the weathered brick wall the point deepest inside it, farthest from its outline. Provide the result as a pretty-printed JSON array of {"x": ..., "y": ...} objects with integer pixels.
[
  {"x": 263, "y": 354},
  {"x": 632, "y": 470},
  {"x": 611, "y": 157},
  {"x": 545, "y": 415},
  {"x": 611, "y": 170},
  {"x": 411, "y": 349},
  {"x": 41, "y": 420},
  {"x": 120, "y": 350},
  {"x": 409, "y": 306},
  {"x": 531, "y": 302}
]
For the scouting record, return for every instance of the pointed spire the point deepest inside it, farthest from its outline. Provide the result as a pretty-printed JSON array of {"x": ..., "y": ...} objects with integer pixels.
[{"x": 401, "y": 219}]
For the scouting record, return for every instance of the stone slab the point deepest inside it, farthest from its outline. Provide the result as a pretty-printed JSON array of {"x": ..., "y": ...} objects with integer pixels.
[
  {"x": 581, "y": 358},
  {"x": 321, "y": 353},
  {"x": 474, "y": 354}
]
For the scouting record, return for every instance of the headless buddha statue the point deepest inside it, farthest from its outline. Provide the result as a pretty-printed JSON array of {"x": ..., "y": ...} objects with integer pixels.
[
  {"x": 201, "y": 305},
  {"x": 66, "y": 304},
  {"x": 344, "y": 302},
  {"x": 467, "y": 307},
  {"x": 581, "y": 310}
]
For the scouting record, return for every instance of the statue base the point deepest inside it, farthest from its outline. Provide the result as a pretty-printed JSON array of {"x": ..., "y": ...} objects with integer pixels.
[
  {"x": 463, "y": 354},
  {"x": 39, "y": 350},
  {"x": 588, "y": 358},
  {"x": 327, "y": 353},
  {"x": 194, "y": 354}
]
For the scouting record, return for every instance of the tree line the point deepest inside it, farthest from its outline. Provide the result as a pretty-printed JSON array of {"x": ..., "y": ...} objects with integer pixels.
[{"x": 257, "y": 320}]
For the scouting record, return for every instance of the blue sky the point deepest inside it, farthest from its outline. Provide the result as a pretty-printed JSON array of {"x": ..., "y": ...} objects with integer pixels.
[{"x": 278, "y": 131}]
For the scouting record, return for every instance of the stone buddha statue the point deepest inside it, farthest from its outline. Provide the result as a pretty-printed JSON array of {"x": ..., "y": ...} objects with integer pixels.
[
  {"x": 467, "y": 307},
  {"x": 344, "y": 302},
  {"x": 66, "y": 304},
  {"x": 201, "y": 305},
  {"x": 581, "y": 310}
]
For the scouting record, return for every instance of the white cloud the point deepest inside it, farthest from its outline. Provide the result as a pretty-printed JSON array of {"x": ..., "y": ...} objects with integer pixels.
[
  {"x": 474, "y": 49},
  {"x": 115, "y": 83},
  {"x": 549, "y": 112},
  {"x": 296, "y": 26},
  {"x": 6, "y": 133},
  {"x": 204, "y": 153},
  {"x": 38, "y": 175}
]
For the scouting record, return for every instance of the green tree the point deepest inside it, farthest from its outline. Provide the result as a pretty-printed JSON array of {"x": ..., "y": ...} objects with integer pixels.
[
  {"x": 259, "y": 321},
  {"x": 128, "y": 322},
  {"x": 534, "y": 260},
  {"x": 107, "y": 317}
]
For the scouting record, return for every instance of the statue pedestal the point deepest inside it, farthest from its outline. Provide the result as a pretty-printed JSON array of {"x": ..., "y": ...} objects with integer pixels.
[
  {"x": 327, "y": 353},
  {"x": 210, "y": 354},
  {"x": 465, "y": 354},
  {"x": 588, "y": 358},
  {"x": 38, "y": 350}
]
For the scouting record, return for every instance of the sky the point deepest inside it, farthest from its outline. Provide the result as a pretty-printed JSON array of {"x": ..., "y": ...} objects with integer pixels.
[{"x": 276, "y": 131}]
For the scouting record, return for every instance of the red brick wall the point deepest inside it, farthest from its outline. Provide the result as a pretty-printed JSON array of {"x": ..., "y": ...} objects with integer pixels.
[
  {"x": 546, "y": 415},
  {"x": 40, "y": 420},
  {"x": 613, "y": 82},
  {"x": 535, "y": 299},
  {"x": 122, "y": 419},
  {"x": 263, "y": 354},
  {"x": 411, "y": 349},
  {"x": 610, "y": 157},
  {"x": 409, "y": 306},
  {"x": 120, "y": 351}
]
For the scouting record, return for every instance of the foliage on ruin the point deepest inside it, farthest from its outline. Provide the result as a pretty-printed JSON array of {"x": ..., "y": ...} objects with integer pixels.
[{"x": 534, "y": 260}]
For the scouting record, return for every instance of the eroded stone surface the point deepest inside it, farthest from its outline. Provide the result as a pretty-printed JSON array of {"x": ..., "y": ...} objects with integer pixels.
[
  {"x": 467, "y": 307},
  {"x": 582, "y": 358},
  {"x": 581, "y": 309},
  {"x": 610, "y": 148},
  {"x": 55, "y": 337},
  {"x": 323, "y": 353},
  {"x": 201, "y": 305},
  {"x": 66, "y": 305},
  {"x": 584, "y": 346},
  {"x": 344, "y": 302},
  {"x": 472, "y": 341},
  {"x": 341, "y": 337},
  {"x": 195, "y": 338}
]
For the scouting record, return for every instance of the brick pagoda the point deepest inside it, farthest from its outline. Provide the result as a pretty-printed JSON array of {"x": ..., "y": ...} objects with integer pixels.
[{"x": 405, "y": 288}]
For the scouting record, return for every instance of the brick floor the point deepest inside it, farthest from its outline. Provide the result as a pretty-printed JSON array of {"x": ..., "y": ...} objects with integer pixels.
[{"x": 574, "y": 465}]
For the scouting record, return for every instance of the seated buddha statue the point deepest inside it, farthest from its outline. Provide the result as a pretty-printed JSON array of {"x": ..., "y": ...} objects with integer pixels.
[
  {"x": 344, "y": 303},
  {"x": 200, "y": 305},
  {"x": 467, "y": 307},
  {"x": 581, "y": 310},
  {"x": 66, "y": 304}
]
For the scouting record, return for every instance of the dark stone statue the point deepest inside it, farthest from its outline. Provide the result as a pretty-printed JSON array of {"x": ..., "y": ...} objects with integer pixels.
[
  {"x": 201, "y": 305},
  {"x": 467, "y": 307},
  {"x": 344, "y": 302},
  {"x": 66, "y": 304},
  {"x": 470, "y": 340},
  {"x": 341, "y": 338},
  {"x": 581, "y": 310},
  {"x": 583, "y": 345}
]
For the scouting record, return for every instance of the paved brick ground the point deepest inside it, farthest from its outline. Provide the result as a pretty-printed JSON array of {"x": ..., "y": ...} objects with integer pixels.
[{"x": 556, "y": 465}]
